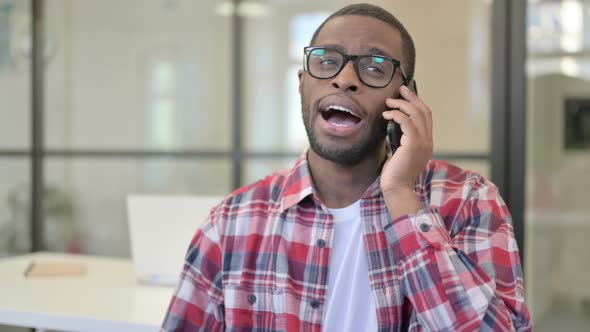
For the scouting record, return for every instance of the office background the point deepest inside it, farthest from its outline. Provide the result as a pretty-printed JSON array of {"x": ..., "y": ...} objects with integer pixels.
[{"x": 105, "y": 98}]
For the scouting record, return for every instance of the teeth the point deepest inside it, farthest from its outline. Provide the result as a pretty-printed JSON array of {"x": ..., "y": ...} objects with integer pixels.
[
  {"x": 343, "y": 109},
  {"x": 338, "y": 125}
]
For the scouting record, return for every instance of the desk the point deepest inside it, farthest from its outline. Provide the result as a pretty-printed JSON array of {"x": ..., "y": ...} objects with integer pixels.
[{"x": 108, "y": 298}]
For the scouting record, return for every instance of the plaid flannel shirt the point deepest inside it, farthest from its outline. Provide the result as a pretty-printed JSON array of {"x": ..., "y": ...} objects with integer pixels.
[{"x": 260, "y": 262}]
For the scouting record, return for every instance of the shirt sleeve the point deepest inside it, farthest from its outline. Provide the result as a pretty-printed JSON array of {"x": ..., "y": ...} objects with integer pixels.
[
  {"x": 466, "y": 278},
  {"x": 197, "y": 304}
]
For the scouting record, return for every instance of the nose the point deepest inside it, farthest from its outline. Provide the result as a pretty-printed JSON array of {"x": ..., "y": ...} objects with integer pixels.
[{"x": 347, "y": 79}]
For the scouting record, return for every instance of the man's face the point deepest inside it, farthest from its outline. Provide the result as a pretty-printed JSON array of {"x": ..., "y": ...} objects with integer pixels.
[{"x": 333, "y": 134}]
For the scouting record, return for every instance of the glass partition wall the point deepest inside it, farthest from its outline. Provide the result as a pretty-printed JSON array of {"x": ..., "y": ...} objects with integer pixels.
[
  {"x": 557, "y": 213},
  {"x": 193, "y": 97}
]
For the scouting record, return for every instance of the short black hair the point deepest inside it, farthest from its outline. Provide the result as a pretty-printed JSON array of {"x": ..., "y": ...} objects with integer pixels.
[{"x": 365, "y": 9}]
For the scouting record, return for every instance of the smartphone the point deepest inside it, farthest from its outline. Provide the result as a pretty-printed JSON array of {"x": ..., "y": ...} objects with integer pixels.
[{"x": 394, "y": 131}]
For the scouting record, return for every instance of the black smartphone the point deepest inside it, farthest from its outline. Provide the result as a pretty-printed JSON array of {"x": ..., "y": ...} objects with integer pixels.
[{"x": 394, "y": 131}]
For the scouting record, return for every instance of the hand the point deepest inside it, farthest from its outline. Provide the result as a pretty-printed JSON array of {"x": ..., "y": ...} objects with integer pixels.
[{"x": 400, "y": 172}]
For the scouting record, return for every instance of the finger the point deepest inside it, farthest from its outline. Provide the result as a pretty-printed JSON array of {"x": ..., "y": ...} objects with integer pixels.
[
  {"x": 426, "y": 114},
  {"x": 413, "y": 98},
  {"x": 400, "y": 104},
  {"x": 411, "y": 111},
  {"x": 407, "y": 125},
  {"x": 410, "y": 134}
]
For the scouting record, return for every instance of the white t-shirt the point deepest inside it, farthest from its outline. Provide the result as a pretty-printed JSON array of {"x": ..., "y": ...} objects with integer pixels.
[{"x": 350, "y": 305}]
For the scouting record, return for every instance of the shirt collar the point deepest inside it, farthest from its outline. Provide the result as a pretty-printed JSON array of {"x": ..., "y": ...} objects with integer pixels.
[{"x": 299, "y": 184}]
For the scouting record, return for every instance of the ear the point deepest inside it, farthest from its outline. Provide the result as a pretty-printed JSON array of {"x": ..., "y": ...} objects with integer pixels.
[{"x": 301, "y": 76}]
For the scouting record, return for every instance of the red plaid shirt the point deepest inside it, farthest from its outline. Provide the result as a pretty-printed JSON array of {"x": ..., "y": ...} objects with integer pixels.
[{"x": 261, "y": 260}]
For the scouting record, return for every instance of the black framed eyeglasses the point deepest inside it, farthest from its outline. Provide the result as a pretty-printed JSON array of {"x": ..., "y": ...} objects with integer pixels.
[{"x": 375, "y": 71}]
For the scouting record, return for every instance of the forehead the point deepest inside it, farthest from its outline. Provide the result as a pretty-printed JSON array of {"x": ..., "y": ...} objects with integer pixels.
[{"x": 360, "y": 35}]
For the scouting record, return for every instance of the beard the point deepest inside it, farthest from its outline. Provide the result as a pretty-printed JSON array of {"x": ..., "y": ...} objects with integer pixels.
[{"x": 345, "y": 156}]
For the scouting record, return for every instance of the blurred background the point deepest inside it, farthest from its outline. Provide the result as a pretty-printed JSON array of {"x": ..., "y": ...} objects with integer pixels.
[{"x": 107, "y": 98}]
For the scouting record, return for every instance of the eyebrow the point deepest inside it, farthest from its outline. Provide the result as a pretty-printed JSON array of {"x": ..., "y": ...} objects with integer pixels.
[
  {"x": 334, "y": 47},
  {"x": 378, "y": 51},
  {"x": 372, "y": 51}
]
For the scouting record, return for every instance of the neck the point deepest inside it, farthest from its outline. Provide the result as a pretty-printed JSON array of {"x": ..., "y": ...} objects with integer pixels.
[{"x": 338, "y": 185}]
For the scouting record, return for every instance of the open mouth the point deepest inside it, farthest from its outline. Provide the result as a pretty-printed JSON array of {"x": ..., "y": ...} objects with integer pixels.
[{"x": 340, "y": 116}]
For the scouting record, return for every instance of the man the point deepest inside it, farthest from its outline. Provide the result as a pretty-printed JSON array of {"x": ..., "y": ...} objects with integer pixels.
[{"x": 350, "y": 239}]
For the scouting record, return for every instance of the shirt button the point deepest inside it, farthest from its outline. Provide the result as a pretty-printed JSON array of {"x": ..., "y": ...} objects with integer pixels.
[
  {"x": 321, "y": 243},
  {"x": 252, "y": 298},
  {"x": 425, "y": 227},
  {"x": 315, "y": 304}
]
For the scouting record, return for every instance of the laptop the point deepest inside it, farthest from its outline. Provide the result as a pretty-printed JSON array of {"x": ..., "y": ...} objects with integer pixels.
[{"x": 160, "y": 230}]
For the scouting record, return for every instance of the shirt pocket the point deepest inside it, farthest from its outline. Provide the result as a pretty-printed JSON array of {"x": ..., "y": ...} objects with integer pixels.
[{"x": 248, "y": 307}]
